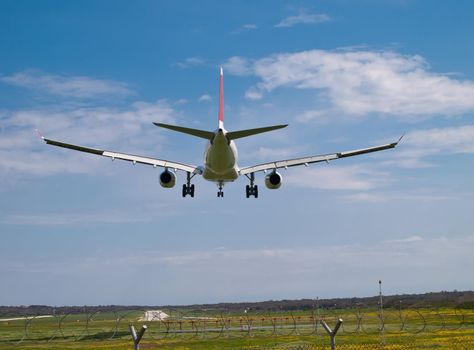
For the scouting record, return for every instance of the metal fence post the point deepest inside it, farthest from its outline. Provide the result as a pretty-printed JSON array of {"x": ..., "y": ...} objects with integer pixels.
[
  {"x": 137, "y": 337},
  {"x": 332, "y": 333}
]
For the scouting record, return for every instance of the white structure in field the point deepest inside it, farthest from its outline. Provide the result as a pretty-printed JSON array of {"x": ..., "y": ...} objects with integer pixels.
[{"x": 154, "y": 315}]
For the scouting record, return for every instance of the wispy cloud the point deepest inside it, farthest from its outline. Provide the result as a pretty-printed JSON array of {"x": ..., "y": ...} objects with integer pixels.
[
  {"x": 129, "y": 128},
  {"x": 417, "y": 196},
  {"x": 205, "y": 97},
  {"x": 410, "y": 262},
  {"x": 410, "y": 239},
  {"x": 245, "y": 28},
  {"x": 70, "y": 219},
  {"x": 303, "y": 18},
  {"x": 238, "y": 65},
  {"x": 332, "y": 177},
  {"x": 265, "y": 153},
  {"x": 66, "y": 85},
  {"x": 357, "y": 83},
  {"x": 420, "y": 145},
  {"x": 190, "y": 62}
]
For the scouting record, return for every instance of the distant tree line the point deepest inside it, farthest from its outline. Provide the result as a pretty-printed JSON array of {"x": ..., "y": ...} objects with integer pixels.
[{"x": 463, "y": 299}]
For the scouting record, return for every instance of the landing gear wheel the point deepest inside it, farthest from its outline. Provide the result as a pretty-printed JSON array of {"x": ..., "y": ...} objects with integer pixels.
[
  {"x": 220, "y": 193},
  {"x": 187, "y": 187},
  {"x": 251, "y": 190}
]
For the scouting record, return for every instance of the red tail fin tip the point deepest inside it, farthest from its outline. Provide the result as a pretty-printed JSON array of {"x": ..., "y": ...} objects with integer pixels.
[{"x": 221, "y": 100}]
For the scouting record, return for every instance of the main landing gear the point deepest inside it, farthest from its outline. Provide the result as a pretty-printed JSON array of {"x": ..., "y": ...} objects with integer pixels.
[
  {"x": 187, "y": 187},
  {"x": 220, "y": 193},
  {"x": 251, "y": 190}
]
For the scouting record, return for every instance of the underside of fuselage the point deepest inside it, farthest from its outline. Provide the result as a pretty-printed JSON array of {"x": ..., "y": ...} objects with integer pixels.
[{"x": 220, "y": 159}]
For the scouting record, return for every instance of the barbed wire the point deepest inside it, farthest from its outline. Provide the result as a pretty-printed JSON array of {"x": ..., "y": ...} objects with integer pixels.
[{"x": 212, "y": 324}]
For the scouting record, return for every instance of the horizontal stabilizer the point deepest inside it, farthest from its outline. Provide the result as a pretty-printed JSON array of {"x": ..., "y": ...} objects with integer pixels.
[
  {"x": 232, "y": 135},
  {"x": 208, "y": 135}
]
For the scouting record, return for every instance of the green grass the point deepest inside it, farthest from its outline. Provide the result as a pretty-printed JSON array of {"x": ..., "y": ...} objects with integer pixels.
[{"x": 418, "y": 329}]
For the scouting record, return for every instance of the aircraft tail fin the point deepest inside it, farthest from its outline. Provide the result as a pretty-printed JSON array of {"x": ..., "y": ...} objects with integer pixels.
[{"x": 221, "y": 100}]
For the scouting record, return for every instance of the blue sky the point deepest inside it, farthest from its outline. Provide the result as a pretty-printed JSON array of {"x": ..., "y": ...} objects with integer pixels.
[{"x": 79, "y": 229}]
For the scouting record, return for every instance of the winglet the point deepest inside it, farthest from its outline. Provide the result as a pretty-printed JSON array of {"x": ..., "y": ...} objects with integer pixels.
[
  {"x": 401, "y": 137},
  {"x": 40, "y": 135}
]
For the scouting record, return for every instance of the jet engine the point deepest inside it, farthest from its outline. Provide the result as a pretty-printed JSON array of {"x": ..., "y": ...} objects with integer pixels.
[
  {"x": 273, "y": 180},
  {"x": 167, "y": 179}
]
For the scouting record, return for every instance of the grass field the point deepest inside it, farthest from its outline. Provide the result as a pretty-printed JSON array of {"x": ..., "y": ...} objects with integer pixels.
[{"x": 446, "y": 328}]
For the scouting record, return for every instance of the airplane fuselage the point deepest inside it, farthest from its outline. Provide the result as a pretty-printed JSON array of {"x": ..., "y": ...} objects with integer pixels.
[{"x": 220, "y": 159}]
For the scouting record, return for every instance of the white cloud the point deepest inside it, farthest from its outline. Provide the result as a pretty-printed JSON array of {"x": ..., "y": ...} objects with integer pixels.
[
  {"x": 443, "y": 140},
  {"x": 66, "y": 86},
  {"x": 418, "y": 195},
  {"x": 406, "y": 240},
  {"x": 366, "y": 197},
  {"x": 357, "y": 83},
  {"x": 330, "y": 177},
  {"x": 205, "y": 97},
  {"x": 422, "y": 144},
  {"x": 181, "y": 101},
  {"x": 317, "y": 116},
  {"x": 237, "y": 65},
  {"x": 253, "y": 94},
  {"x": 70, "y": 219},
  {"x": 303, "y": 18},
  {"x": 245, "y": 28},
  {"x": 127, "y": 129},
  {"x": 190, "y": 62},
  {"x": 265, "y": 153}
]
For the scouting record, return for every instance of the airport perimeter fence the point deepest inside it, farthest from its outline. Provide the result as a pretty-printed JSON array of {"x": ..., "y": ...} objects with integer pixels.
[
  {"x": 390, "y": 329},
  {"x": 455, "y": 345}
]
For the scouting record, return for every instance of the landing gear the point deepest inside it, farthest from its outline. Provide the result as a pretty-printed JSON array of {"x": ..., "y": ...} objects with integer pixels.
[
  {"x": 251, "y": 190},
  {"x": 220, "y": 193},
  {"x": 187, "y": 187}
]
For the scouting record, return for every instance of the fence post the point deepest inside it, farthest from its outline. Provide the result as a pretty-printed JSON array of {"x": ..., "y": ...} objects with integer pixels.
[
  {"x": 332, "y": 333},
  {"x": 137, "y": 337}
]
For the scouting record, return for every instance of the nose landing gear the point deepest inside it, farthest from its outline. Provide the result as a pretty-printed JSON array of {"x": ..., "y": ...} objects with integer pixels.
[{"x": 220, "y": 193}]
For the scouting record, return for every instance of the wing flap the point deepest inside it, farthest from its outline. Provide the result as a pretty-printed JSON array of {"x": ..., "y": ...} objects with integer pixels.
[
  {"x": 314, "y": 159},
  {"x": 128, "y": 157}
]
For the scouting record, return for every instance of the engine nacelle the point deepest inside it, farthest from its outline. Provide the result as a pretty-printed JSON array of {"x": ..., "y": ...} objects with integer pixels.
[
  {"x": 273, "y": 180},
  {"x": 167, "y": 179}
]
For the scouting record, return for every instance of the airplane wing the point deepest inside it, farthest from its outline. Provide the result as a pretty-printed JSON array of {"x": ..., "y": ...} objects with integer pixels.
[
  {"x": 129, "y": 157},
  {"x": 314, "y": 159}
]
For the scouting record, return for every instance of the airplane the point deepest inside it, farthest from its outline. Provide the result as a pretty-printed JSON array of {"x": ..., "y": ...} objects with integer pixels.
[{"x": 220, "y": 160}]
